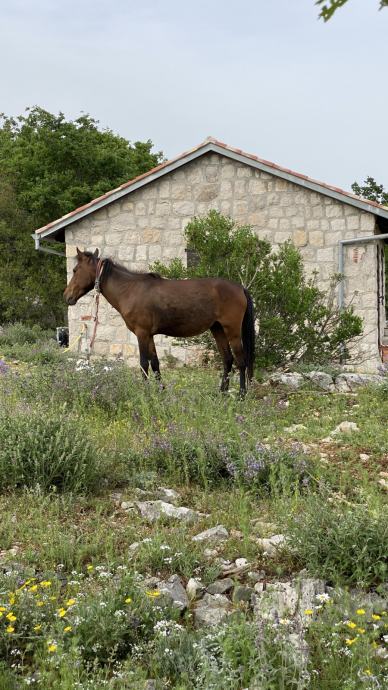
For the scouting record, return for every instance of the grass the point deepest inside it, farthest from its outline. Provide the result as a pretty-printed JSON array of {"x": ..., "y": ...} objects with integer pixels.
[{"x": 114, "y": 440}]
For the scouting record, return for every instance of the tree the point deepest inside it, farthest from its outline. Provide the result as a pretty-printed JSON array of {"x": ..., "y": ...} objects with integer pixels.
[
  {"x": 371, "y": 190},
  {"x": 328, "y": 8},
  {"x": 296, "y": 320},
  {"x": 48, "y": 167}
]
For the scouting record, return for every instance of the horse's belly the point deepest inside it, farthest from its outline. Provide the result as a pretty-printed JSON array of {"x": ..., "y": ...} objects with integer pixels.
[{"x": 186, "y": 326}]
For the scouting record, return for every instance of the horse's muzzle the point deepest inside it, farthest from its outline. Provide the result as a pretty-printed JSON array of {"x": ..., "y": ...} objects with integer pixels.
[{"x": 69, "y": 299}]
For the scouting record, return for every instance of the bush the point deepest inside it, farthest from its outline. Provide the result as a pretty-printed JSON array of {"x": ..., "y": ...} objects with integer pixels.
[
  {"x": 46, "y": 449},
  {"x": 29, "y": 344},
  {"x": 297, "y": 321},
  {"x": 337, "y": 542},
  {"x": 21, "y": 333}
]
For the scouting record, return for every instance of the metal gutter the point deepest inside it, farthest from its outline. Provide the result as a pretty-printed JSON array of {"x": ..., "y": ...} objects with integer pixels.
[
  {"x": 341, "y": 258},
  {"x": 39, "y": 248}
]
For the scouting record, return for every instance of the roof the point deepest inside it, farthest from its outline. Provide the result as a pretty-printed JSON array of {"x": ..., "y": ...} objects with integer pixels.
[{"x": 208, "y": 146}]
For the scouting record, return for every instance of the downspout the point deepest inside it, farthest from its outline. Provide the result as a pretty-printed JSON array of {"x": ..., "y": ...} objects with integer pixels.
[
  {"x": 39, "y": 248},
  {"x": 341, "y": 259}
]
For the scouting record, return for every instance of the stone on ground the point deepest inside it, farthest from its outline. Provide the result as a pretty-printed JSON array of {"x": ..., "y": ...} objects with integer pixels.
[
  {"x": 173, "y": 590},
  {"x": 154, "y": 510},
  {"x": 212, "y": 610},
  {"x": 271, "y": 545},
  {"x": 214, "y": 534}
]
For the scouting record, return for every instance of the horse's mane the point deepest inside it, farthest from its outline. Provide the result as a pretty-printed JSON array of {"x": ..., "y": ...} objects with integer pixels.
[{"x": 109, "y": 265}]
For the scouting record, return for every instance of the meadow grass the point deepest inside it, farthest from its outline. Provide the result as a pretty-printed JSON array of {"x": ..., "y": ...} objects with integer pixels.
[{"x": 114, "y": 440}]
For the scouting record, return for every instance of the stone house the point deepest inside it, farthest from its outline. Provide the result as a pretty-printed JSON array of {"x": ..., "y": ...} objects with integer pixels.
[{"x": 144, "y": 219}]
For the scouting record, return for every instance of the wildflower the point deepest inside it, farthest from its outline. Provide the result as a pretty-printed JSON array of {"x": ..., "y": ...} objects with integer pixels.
[
  {"x": 61, "y": 612},
  {"x": 128, "y": 600},
  {"x": 376, "y": 617},
  {"x": 360, "y": 612},
  {"x": 51, "y": 647},
  {"x": 89, "y": 567},
  {"x": 10, "y": 629},
  {"x": 33, "y": 588},
  {"x": 350, "y": 641},
  {"x": 40, "y": 603},
  {"x": 351, "y": 625},
  {"x": 45, "y": 584},
  {"x": 153, "y": 593},
  {"x": 361, "y": 630},
  {"x": 308, "y": 612},
  {"x": 367, "y": 671},
  {"x": 67, "y": 629},
  {"x": 70, "y": 602},
  {"x": 11, "y": 617},
  {"x": 322, "y": 597},
  {"x": 37, "y": 628},
  {"x": 2, "y": 609},
  {"x": 12, "y": 599}
]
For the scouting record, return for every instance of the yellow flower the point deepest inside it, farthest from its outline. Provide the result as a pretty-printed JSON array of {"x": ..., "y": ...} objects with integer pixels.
[
  {"x": 308, "y": 612},
  {"x": 11, "y": 617},
  {"x": 153, "y": 593},
  {"x": 89, "y": 567},
  {"x": 349, "y": 642},
  {"x": 12, "y": 599},
  {"x": 361, "y": 630},
  {"x": 376, "y": 617},
  {"x": 367, "y": 671},
  {"x": 40, "y": 603},
  {"x": 53, "y": 598},
  {"x": 1, "y": 614},
  {"x": 128, "y": 600},
  {"x": 68, "y": 628},
  {"x": 351, "y": 625},
  {"x": 70, "y": 602},
  {"x": 51, "y": 647},
  {"x": 10, "y": 629},
  {"x": 45, "y": 583},
  {"x": 33, "y": 588},
  {"x": 37, "y": 628},
  {"x": 2, "y": 608},
  {"x": 360, "y": 612},
  {"x": 61, "y": 612}
]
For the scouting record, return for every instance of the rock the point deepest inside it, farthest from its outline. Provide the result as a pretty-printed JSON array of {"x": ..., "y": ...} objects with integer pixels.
[
  {"x": 288, "y": 600},
  {"x": 211, "y": 610},
  {"x": 210, "y": 553},
  {"x": 242, "y": 594},
  {"x": 214, "y": 534},
  {"x": 173, "y": 589},
  {"x": 294, "y": 427},
  {"x": 364, "y": 457},
  {"x": 271, "y": 545},
  {"x": 154, "y": 510},
  {"x": 383, "y": 483},
  {"x": 220, "y": 586},
  {"x": 150, "y": 685},
  {"x": 134, "y": 547},
  {"x": 194, "y": 588},
  {"x": 127, "y": 505},
  {"x": 241, "y": 562},
  {"x": 168, "y": 495},
  {"x": 345, "y": 428},
  {"x": 255, "y": 576},
  {"x": 293, "y": 380},
  {"x": 321, "y": 380},
  {"x": 348, "y": 382}
]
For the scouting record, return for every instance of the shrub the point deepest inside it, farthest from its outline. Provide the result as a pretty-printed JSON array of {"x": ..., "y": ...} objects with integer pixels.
[
  {"x": 337, "y": 542},
  {"x": 297, "y": 321},
  {"x": 46, "y": 449},
  {"x": 29, "y": 343}
]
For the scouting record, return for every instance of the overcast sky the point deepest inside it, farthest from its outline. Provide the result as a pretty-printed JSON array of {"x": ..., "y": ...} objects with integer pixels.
[{"x": 262, "y": 75}]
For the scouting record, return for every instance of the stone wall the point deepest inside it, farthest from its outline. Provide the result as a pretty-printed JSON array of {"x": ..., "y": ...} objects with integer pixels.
[{"x": 148, "y": 224}]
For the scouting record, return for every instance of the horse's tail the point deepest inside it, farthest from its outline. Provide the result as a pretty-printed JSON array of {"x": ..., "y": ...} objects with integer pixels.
[{"x": 248, "y": 335}]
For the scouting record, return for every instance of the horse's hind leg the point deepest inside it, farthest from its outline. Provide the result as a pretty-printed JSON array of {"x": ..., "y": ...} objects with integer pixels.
[
  {"x": 237, "y": 349},
  {"x": 225, "y": 352},
  {"x": 143, "y": 340},
  {"x": 154, "y": 359}
]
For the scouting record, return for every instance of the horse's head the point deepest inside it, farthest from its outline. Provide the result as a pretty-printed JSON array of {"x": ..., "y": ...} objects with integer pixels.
[{"x": 84, "y": 276}]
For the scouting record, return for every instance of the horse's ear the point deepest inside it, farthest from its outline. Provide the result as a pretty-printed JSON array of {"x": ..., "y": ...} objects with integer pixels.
[
  {"x": 96, "y": 254},
  {"x": 79, "y": 253}
]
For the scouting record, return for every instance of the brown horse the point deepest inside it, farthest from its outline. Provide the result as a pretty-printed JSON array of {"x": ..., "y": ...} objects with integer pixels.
[{"x": 150, "y": 304}]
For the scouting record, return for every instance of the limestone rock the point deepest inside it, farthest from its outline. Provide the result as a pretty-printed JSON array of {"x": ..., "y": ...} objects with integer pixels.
[
  {"x": 321, "y": 380},
  {"x": 242, "y": 594},
  {"x": 294, "y": 427},
  {"x": 271, "y": 545},
  {"x": 169, "y": 495},
  {"x": 194, "y": 588},
  {"x": 214, "y": 534},
  {"x": 154, "y": 510},
  {"x": 293, "y": 380},
  {"x": 345, "y": 428},
  {"x": 173, "y": 590},
  {"x": 288, "y": 600},
  {"x": 220, "y": 586},
  {"x": 212, "y": 610},
  {"x": 348, "y": 382}
]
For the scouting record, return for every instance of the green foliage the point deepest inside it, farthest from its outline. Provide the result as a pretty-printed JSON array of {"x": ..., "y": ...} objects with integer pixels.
[
  {"x": 341, "y": 542},
  {"x": 31, "y": 344},
  {"x": 371, "y": 190},
  {"x": 48, "y": 167},
  {"x": 328, "y": 8},
  {"x": 45, "y": 449},
  {"x": 297, "y": 320}
]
